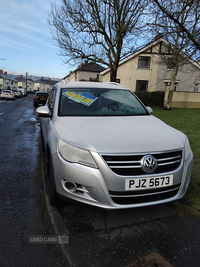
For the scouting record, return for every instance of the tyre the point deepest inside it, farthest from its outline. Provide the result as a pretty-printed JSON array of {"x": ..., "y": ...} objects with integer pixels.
[{"x": 53, "y": 196}]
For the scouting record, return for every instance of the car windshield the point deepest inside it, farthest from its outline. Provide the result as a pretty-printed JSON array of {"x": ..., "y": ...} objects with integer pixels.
[{"x": 99, "y": 102}]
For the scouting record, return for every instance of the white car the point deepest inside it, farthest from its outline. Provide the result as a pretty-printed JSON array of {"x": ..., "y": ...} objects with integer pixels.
[
  {"x": 7, "y": 94},
  {"x": 17, "y": 93},
  {"x": 104, "y": 148}
]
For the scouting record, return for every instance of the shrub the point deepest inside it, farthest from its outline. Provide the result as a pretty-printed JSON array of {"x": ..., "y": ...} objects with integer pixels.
[{"x": 151, "y": 98}]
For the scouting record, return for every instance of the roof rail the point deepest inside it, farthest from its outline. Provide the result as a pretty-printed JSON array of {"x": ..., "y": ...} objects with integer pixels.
[
  {"x": 63, "y": 82},
  {"x": 115, "y": 83}
]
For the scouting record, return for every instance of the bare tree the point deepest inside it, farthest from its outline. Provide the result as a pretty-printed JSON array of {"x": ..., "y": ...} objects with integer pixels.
[
  {"x": 102, "y": 31},
  {"x": 191, "y": 27},
  {"x": 181, "y": 48}
]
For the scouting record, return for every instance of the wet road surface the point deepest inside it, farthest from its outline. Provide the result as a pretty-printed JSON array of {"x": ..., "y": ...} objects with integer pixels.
[
  {"x": 120, "y": 238},
  {"x": 22, "y": 206}
]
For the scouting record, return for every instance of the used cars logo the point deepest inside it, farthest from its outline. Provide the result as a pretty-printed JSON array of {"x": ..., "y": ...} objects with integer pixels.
[{"x": 149, "y": 163}]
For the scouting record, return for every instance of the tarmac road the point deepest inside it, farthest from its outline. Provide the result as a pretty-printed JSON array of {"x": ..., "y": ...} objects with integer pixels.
[
  {"x": 22, "y": 206},
  {"x": 120, "y": 238}
]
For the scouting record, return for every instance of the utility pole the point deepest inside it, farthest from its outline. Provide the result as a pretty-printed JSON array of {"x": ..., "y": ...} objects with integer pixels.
[
  {"x": 26, "y": 81},
  {"x": 1, "y": 85}
]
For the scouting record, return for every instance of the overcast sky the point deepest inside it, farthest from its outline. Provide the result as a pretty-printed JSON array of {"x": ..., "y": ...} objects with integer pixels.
[{"x": 25, "y": 39}]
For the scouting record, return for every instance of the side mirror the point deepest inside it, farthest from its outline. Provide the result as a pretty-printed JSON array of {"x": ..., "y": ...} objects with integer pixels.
[
  {"x": 150, "y": 110},
  {"x": 43, "y": 111}
]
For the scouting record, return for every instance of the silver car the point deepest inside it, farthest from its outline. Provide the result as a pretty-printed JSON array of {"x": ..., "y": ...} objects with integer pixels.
[
  {"x": 104, "y": 148},
  {"x": 7, "y": 94}
]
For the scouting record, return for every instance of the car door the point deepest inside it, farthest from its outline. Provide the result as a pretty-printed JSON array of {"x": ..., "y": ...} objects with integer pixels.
[{"x": 47, "y": 122}]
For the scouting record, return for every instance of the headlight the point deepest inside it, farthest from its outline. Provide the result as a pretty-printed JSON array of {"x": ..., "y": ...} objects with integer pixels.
[
  {"x": 187, "y": 149},
  {"x": 75, "y": 154}
]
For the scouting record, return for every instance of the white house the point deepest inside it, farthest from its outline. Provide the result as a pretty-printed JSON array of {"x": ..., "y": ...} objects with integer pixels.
[
  {"x": 6, "y": 82},
  {"x": 25, "y": 83},
  {"x": 145, "y": 70},
  {"x": 86, "y": 72},
  {"x": 44, "y": 84}
]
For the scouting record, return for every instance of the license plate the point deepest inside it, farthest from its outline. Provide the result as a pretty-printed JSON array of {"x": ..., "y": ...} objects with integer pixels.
[
  {"x": 148, "y": 183},
  {"x": 42, "y": 98}
]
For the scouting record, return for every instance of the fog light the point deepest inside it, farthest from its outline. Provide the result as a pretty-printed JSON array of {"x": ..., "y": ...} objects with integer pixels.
[{"x": 69, "y": 186}]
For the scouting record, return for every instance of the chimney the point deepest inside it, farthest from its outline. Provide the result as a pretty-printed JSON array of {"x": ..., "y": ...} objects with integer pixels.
[
  {"x": 21, "y": 76},
  {"x": 158, "y": 36},
  {"x": 1, "y": 71},
  {"x": 86, "y": 62},
  {"x": 5, "y": 72}
]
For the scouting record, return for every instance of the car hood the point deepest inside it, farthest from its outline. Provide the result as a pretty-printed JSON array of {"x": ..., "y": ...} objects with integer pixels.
[{"x": 131, "y": 134}]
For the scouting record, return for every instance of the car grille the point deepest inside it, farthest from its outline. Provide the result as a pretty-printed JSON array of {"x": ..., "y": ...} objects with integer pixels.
[
  {"x": 130, "y": 165},
  {"x": 143, "y": 196}
]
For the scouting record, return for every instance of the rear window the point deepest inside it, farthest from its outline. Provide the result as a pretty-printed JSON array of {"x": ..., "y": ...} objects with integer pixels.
[
  {"x": 42, "y": 94},
  {"x": 99, "y": 102}
]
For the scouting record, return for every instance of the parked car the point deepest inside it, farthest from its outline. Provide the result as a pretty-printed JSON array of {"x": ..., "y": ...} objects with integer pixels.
[
  {"x": 40, "y": 97},
  {"x": 106, "y": 149},
  {"x": 23, "y": 91},
  {"x": 17, "y": 93},
  {"x": 7, "y": 94},
  {"x": 20, "y": 93}
]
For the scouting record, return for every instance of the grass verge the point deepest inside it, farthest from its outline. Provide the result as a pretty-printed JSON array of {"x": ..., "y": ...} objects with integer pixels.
[{"x": 188, "y": 122}]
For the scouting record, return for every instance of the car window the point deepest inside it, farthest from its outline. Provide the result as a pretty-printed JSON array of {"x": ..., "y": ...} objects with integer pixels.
[
  {"x": 51, "y": 98},
  {"x": 99, "y": 102},
  {"x": 43, "y": 94}
]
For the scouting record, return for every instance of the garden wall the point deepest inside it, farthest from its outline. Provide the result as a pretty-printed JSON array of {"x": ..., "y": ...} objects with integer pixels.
[{"x": 184, "y": 100}]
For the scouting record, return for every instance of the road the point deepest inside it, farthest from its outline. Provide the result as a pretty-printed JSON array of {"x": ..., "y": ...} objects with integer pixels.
[
  {"x": 22, "y": 206},
  {"x": 119, "y": 238}
]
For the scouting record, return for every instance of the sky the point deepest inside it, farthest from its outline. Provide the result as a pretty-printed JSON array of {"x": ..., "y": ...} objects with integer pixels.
[{"x": 26, "y": 44}]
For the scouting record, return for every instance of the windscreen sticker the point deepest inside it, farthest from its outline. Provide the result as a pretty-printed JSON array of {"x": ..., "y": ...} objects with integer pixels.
[{"x": 80, "y": 97}]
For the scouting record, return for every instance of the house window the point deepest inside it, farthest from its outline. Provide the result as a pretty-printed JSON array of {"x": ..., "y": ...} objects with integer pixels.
[
  {"x": 141, "y": 85},
  {"x": 170, "y": 65},
  {"x": 144, "y": 62},
  {"x": 196, "y": 87},
  {"x": 169, "y": 83}
]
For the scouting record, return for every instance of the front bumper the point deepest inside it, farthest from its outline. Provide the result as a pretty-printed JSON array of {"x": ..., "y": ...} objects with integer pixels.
[{"x": 96, "y": 186}]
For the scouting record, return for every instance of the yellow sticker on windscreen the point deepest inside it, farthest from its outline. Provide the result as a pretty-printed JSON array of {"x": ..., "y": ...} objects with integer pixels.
[{"x": 80, "y": 97}]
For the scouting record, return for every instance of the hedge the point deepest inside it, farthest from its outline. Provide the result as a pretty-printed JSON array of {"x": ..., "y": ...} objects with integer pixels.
[{"x": 151, "y": 98}]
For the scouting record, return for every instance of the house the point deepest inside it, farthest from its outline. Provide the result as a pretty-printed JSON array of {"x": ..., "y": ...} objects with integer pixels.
[
  {"x": 44, "y": 84},
  {"x": 24, "y": 83},
  {"x": 6, "y": 82},
  {"x": 86, "y": 72},
  {"x": 145, "y": 70}
]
